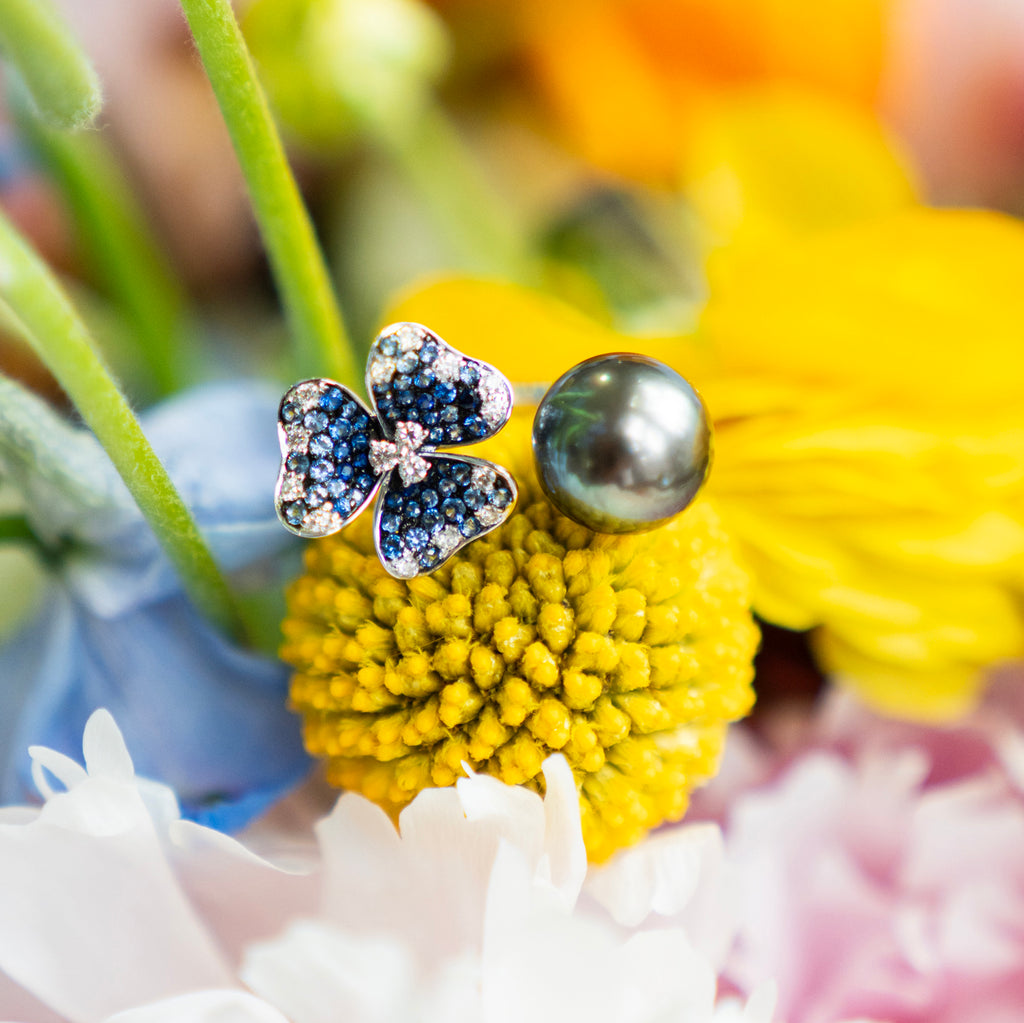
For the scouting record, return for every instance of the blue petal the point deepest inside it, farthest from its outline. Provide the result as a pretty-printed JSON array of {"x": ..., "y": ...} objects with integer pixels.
[
  {"x": 197, "y": 713},
  {"x": 219, "y": 444}
]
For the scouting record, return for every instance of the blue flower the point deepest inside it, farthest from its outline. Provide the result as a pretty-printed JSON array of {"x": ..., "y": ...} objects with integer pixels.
[{"x": 114, "y": 629}]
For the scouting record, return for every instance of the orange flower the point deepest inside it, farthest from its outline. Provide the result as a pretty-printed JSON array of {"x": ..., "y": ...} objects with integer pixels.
[{"x": 625, "y": 79}]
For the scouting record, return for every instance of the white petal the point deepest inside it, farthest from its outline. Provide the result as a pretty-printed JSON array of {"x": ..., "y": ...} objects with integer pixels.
[
  {"x": 81, "y": 894},
  {"x": 504, "y": 811},
  {"x": 563, "y": 834},
  {"x": 220, "y": 877},
  {"x": 203, "y": 1007},
  {"x": 106, "y": 755},
  {"x": 317, "y": 973},
  {"x": 63, "y": 768},
  {"x": 677, "y": 873}
]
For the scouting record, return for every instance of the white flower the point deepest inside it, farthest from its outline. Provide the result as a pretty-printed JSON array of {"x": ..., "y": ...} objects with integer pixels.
[{"x": 113, "y": 908}]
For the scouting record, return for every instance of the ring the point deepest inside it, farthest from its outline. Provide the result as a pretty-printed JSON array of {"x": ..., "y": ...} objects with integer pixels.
[{"x": 336, "y": 453}]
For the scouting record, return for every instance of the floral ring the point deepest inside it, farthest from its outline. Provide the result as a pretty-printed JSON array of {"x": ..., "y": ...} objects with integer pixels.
[{"x": 337, "y": 453}]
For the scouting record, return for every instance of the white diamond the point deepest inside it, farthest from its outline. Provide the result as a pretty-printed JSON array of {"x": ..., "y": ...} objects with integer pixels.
[
  {"x": 409, "y": 339},
  {"x": 448, "y": 539},
  {"x": 404, "y": 567},
  {"x": 382, "y": 369},
  {"x": 322, "y": 521},
  {"x": 291, "y": 487},
  {"x": 446, "y": 367},
  {"x": 298, "y": 437},
  {"x": 383, "y": 456},
  {"x": 483, "y": 477},
  {"x": 402, "y": 452},
  {"x": 495, "y": 399},
  {"x": 488, "y": 515},
  {"x": 307, "y": 395}
]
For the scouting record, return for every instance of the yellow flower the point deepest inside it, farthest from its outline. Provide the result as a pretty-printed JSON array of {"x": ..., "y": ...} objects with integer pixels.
[
  {"x": 865, "y": 384},
  {"x": 628, "y": 654}
]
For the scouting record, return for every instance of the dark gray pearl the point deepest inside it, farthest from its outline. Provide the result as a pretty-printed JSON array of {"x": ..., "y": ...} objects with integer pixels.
[{"x": 622, "y": 443}]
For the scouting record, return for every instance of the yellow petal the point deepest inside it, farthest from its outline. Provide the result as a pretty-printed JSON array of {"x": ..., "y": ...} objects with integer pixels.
[
  {"x": 530, "y": 337},
  {"x": 767, "y": 163},
  {"x": 924, "y": 307}
]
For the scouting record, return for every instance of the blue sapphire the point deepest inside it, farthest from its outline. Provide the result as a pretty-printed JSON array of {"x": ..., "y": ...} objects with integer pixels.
[
  {"x": 425, "y": 403},
  {"x": 390, "y": 523},
  {"x": 461, "y": 472},
  {"x": 352, "y": 411},
  {"x": 361, "y": 460},
  {"x": 438, "y": 435},
  {"x": 407, "y": 363},
  {"x": 446, "y": 487},
  {"x": 473, "y": 499},
  {"x": 342, "y": 450},
  {"x": 321, "y": 470},
  {"x": 336, "y": 488},
  {"x": 449, "y": 415},
  {"x": 469, "y": 375},
  {"x": 428, "y": 498},
  {"x": 295, "y": 512},
  {"x": 388, "y": 346},
  {"x": 429, "y": 419},
  {"x": 290, "y": 412},
  {"x": 423, "y": 380},
  {"x": 475, "y": 426},
  {"x": 429, "y": 558},
  {"x": 428, "y": 353},
  {"x": 315, "y": 421},
  {"x": 412, "y": 509},
  {"x": 345, "y": 471},
  {"x": 453, "y": 509},
  {"x": 403, "y": 399},
  {"x": 330, "y": 401},
  {"x": 360, "y": 442},
  {"x": 316, "y": 496},
  {"x": 392, "y": 500},
  {"x": 417, "y": 539},
  {"x": 469, "y": 527},
  {"x": 431, "y": 520},
  {"x": 445, "y": 393},
  {"x": 500, "y": 497},
  {"x": 386, "y": 409},
  {"x": 340, "y": 429},
  {"x": 391, "y": 547},
  {"x": 320, "y": 445},
  {"x": 402, "y": 382},
  {"x": 297, "y": 462},
  {"x": 364, "y": 482}
]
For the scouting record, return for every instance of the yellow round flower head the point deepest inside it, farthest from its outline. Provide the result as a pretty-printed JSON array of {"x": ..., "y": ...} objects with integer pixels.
[{"x": 628, "y": 654}]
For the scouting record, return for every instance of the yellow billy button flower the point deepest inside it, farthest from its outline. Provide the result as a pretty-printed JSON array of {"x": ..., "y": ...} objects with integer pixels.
[
  {"x": 629, "y": 654},
  {"x": 869, "y": 447}
]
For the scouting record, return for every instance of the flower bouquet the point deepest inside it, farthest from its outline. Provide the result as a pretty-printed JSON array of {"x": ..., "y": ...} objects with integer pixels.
[{"x": 691, "y": 690}]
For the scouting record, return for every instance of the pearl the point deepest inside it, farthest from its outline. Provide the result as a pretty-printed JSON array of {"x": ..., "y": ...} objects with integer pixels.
[{"x": 622, "y": 443}]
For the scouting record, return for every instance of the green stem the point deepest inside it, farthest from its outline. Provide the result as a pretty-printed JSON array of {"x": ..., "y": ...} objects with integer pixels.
[
  {"x": 114, "y": 233},
  {"x": 15, "y": 528},
  {"x": 431, "y": 154},
  {"x": 322, "y": 347},
  {"x": 62, "y": 83},
  {"x": 44, "y": 318}
]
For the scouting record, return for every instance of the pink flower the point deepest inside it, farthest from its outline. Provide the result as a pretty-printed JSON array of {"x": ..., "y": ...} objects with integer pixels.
[{"x": 879, "y": 867}]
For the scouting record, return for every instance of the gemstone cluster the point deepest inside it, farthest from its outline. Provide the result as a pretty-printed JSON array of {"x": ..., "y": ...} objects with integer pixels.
[
  {"x": 415, "y": 377},
  {"x": 337, "y": 453},
  {"x": 420, "y": 526}
]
